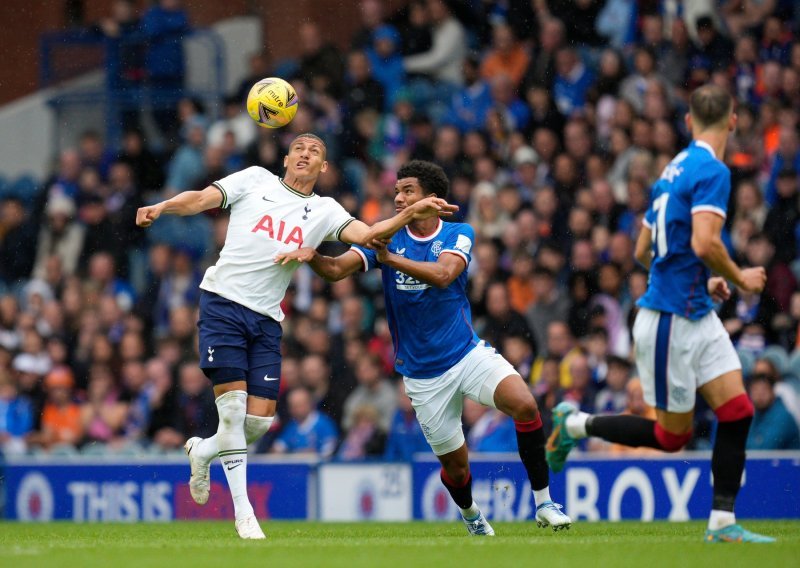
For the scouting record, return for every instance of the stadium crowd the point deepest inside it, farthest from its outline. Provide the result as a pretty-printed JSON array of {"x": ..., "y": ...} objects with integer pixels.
[{"x": 552, "y": 119}]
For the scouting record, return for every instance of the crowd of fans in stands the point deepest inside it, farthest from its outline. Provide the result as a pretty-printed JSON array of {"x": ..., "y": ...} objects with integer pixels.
[{"x": 552, "y": 119}]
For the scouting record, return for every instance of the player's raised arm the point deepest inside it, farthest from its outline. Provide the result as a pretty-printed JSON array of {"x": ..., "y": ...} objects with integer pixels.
[
  {"x": 359, "y": 233},
  {"x": 708, "y": 246},
  {"x": 185, "y": 203},
  {"x": 331, "y": 268}
]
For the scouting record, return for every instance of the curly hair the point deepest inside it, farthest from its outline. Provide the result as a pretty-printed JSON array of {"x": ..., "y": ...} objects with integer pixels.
[{"x": 431, "y": 178}]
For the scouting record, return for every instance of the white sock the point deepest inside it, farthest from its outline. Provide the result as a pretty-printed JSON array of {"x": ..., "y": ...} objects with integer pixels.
[
  {"x": 541, "y": 496},
  {"x": 472, "y": 512},
  {"x": 720, "y": 519},
  {"x": 576, "y": 424},
  {"x": 232, "y": 408},
  {"x": 254, "y": 428}
]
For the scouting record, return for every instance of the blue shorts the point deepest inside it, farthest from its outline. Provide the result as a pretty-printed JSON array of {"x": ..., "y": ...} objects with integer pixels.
[{"x": 237, "y": 344}]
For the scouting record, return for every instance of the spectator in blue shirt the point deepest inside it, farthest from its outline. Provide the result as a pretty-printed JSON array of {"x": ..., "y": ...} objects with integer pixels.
[
  {"x": 773, "y": 428},
  {"x": 164, "y": 27},
  {"x": 309, "y": 431},
  {"x": 572, "y": 81},
  {"x": 405, "y": 435},
  {"x": 387, "y": 63},
  {"x": 16, "y": 416},
  {"x": 471, "y": 103},
  {"x": 786, "y": 158},
  {"x": 489, "y": 429}
]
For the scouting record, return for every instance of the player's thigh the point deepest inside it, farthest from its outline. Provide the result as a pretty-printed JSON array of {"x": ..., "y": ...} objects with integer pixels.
[
  {"x": 723, "y": 388},
  {"x": 481, "y": 372},
  {"x": 665, "y": 347},
  {"x": 438, "y": 404},
  {"x": 264, "y": 358},
  {"x": 675, "y": 422},
  {"x": 719, "y": 369},
  {"x": 513, "y": 397}
]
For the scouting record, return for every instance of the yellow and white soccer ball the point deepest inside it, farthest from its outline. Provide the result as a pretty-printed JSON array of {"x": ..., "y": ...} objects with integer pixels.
[{"x": 272, "y": 102}]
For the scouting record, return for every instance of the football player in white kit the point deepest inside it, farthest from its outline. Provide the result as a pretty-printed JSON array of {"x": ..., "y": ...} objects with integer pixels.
[{"x": 240, "y": 314}]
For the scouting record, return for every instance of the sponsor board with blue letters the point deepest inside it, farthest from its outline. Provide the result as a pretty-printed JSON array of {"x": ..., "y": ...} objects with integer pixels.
[
  {"x": 148, "y": 491},
  {"x": 674, "y": 488}
]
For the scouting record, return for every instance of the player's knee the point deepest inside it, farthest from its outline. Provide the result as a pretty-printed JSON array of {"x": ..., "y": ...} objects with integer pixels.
[
  {"x": 455, "y": 474},
  {"x": 670, "y": 442},
  {"x": 526, "y": 410},
  {"x": 737, "y": 408},
  {"x": 232, "y": 409}
]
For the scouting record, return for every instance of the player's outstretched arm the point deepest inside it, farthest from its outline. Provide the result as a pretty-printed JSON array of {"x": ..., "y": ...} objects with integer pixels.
[
  {"x": 359, "y": 233},
  {"x": 331, "y": 268},
  {"x": 185, "y": 203},
  {"x": 441, "y": 273},
  {"x": 644, "y": 247},
  {"x": 708, "y": 246}
]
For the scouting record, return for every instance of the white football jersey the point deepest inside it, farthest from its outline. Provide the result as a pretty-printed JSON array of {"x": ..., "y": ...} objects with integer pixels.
[{"x": 267, "y": 217}]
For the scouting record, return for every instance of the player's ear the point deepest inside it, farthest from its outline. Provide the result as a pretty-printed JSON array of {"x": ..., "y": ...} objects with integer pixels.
[
  {"x": 688, "y": 120},
  {"x": 324, "y": 167},
  {"x": 286, "y": 161},
  {"x": 734, "y": 118}
]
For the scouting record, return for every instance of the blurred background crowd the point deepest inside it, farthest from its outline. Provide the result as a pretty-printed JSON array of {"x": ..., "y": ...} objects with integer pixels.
[{"x": 552, "y": 119}]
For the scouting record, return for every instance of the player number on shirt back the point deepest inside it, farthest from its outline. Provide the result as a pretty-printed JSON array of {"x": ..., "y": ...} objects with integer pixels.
[{"x": 660, "y": 227}]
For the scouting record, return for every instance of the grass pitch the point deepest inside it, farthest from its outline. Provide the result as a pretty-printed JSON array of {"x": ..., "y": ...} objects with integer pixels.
[{"x": 288, "y": 544}]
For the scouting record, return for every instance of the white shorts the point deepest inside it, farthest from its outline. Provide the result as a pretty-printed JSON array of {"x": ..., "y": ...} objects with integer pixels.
[
  {"x": 438, "y": 401},
  {"x": 676, "y": 356}
]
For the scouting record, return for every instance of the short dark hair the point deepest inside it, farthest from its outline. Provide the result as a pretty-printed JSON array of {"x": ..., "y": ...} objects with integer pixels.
[
  {"x": 710, "y": 105},
  {"x": 431, "y": 177},
  {"x": 313, "y": 137}
]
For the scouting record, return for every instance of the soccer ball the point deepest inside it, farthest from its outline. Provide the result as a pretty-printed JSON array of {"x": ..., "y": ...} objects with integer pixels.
[{"x": 272, "y": 102}]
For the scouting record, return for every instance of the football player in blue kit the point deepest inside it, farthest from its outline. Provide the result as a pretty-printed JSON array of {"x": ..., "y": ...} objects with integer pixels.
[
  {"x": 441, "y": 359},
  {"x": 680, "y": 344}
]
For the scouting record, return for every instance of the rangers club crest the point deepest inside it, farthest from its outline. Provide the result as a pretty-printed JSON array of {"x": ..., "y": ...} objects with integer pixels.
[{"x": 436, "y": 248}]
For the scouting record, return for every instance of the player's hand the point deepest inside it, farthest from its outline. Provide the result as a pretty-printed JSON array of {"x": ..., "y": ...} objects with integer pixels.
[
  {"x": 300, "y": 255},
  {"x": 718, "y": 289},
  {"x": 377, "y": 243},
  {"x": 381, "y": 248},
  {"x": 432, "y": 207},
  {"x": 146, "y": 215},
  {"x": 753, "y": 279}
]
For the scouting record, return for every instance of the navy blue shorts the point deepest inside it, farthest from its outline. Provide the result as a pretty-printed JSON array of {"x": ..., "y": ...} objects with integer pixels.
[{"x": 237, "y": 343}]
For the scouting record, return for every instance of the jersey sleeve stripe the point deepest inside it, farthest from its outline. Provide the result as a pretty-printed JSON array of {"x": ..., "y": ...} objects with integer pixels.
[
  {"x": 363, "y": 258},
  {"x": 458, "y": 253},
  {"x": 223, "y": 192},
  {"x": 338, "y": 233},
  {"x": 646, "y": 223},
  {"x": 710, "y": 209}
]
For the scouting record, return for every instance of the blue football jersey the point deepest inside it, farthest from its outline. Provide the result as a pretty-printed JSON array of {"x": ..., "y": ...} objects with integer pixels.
[
  {"x": 431, "y": 327},
  {"x": 695, "y": 180}
]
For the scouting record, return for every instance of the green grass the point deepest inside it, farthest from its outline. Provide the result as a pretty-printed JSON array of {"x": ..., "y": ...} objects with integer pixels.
[{"x": 444, "y": 545}]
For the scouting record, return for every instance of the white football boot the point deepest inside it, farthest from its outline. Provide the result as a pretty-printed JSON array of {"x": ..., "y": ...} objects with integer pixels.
[
  {"x": 199, "y": 483},
  {"x": 249, "y": 528},
  {"x": 478, "y": 526},
  {"x": 549, "y": 514}
]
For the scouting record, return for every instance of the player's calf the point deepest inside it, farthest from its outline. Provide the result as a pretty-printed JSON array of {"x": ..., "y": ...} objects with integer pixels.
[
  {"x": 728, "y": 457},
  {"x": 631, "y": 431}
]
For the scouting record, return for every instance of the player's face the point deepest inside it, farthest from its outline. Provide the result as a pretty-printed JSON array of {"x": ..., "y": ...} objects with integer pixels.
[
  {"x": 407, "y": 192},
  {"x": 306, "y": 159}
]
